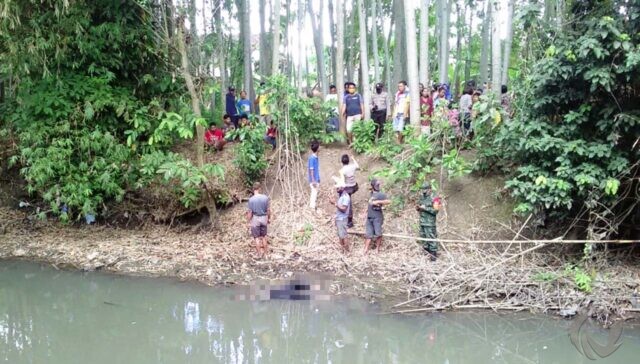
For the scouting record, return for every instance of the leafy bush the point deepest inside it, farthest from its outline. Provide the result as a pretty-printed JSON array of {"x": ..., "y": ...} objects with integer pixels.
[
  {"x": 574, "y": 134},
  {"x": 249, "y": 155},
  {"x": 91, "y": 115},
  {"x": 364, "y": 133}
]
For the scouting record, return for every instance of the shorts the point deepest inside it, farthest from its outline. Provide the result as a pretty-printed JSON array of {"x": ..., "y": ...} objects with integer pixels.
[
  {"x": 398, "y": 122},
  {"x": 373, "y": 228},
  {"x": 259, "y": 226},
  {"x": 342, "y": 228},
  {"x": 352, "y": 120}
]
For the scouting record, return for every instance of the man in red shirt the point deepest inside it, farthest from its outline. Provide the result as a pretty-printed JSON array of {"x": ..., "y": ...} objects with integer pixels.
[{"x": 214, "y": 137}]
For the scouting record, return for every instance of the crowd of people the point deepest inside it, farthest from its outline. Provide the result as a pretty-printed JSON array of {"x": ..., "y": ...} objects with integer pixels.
[
  {"x": 435, "y": 102},
  {"x": 345, "y": 184}
]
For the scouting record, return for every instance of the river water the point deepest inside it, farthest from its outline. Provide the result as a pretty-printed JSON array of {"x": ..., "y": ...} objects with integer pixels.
[{"x": 49, "y": 316}]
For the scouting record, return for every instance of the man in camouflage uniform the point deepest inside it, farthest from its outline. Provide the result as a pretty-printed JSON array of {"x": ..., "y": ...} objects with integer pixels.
[{"x": 428, "y": 221}]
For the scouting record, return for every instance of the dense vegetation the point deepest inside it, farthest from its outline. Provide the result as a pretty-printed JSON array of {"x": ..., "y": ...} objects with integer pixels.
[{"x": 96, "y": 104}]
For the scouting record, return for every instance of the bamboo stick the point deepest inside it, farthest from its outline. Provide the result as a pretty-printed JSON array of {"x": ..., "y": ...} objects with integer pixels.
[{"x": 553, "y": 241}]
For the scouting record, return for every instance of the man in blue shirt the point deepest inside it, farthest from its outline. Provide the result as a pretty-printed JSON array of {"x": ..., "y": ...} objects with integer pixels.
[
  {"x": 313, "y": 172},
  {"x": 352, "y": 109},
  {"x": 244, "y": 105}
]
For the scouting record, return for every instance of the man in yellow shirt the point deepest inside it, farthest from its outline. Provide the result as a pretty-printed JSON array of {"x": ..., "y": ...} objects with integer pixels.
[{"x": 261, "y": 103}]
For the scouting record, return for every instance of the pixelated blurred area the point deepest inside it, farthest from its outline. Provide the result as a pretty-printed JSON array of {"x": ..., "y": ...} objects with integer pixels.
[{"x": 301, "y": 287}]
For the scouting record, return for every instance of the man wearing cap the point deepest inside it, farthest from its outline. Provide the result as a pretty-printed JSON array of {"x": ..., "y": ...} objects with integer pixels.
[
  {"x": 342, "y": 212},
  {"x": 379, "y": 102},
  {"x": 230, "y": 106},
  {"x": 259, "y": 216},
  {"x": 373, "y": 224},
  {"x": 428, "y": 222}
]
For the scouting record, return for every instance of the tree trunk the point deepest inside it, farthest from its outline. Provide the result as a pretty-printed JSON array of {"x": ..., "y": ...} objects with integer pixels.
[
  {"x": 412, "y": 63},
  {"x": 460, "y": 28},
  {"x": 339, "y": 59},
  {"x": 194, "y": 50},
  {"x": 374, "y": 40},
  {"x": 467, "y": 63},
  {"x": 319, "y": 44},
  {"x": 484, "y": 52},
  {"x": 275, "y": 58},
  {"x": 263, "y": 38},
  {"x": 301, "y": 50},
  {"x": 349, "y": 51},
  {"x": 246, "y": 33},
  {"x": 444, "y": 42},
  {"x": 332, "y": 30},
  {"x": 424, "y": 42},
  {"x": 507, "y": 43},
  {"x": 364, "y": 60},
  {"x": 195, "y": 100},
  {"x": 399, "y": 43},
  {"x": 387, "y": 64},
  {"x": 221, "y": 53},
  {"x": 495, "y": 49}
]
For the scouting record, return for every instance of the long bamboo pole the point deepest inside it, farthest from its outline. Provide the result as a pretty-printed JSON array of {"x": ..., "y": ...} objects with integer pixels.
[{"x": 532, "y": 241}]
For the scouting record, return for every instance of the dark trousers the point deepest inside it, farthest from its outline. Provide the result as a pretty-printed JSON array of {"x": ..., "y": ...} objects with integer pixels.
[
  {"x": 350, "y": 191},
  {"x": 379, "y": 117}
]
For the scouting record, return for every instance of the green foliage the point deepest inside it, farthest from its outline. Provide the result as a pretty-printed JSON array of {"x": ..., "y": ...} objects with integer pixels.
[
  {"x": 364, "y": 133},
  {"x": 386, "y": 146},
  {"x": 577, "y": 116},
  {"x": 249, "y": 155},
  {"x": 304, "y": 234},
  {"x": 545, "y": 277},
  {"x": 306, "y": 116},
  {"x": 172, "y": 169},
  {"x": 95, "y": 108},
  {"x": 581, "y": 278}
]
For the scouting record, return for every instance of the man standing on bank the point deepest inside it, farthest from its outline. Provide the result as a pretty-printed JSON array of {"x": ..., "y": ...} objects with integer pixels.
[
  {"x": 379, "y": 102},
  {"x": 373, "y": 224},
  {"x": 352, "y": 109},
  {"x": 259, "y": 216},
  {"x": 428, "y": 221},
  {"x": 342, "y": 212}
]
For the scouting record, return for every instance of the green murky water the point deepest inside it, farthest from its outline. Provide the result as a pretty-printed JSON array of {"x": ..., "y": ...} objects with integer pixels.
[{"x": 49, "y": 316}]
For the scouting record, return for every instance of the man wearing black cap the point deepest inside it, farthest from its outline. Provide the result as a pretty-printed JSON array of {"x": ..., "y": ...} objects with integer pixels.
[
  {"x": 373, "y": 224},
  {"x": 379, "y": 101},
  {"x": 230, "y": 106}
]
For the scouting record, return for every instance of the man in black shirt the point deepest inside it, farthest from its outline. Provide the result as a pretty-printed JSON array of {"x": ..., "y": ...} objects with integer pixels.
[{"x": 375, "y": 218}]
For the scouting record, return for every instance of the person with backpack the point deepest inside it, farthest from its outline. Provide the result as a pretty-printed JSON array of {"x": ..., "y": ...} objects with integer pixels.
[{"x": 352, "y": 109}]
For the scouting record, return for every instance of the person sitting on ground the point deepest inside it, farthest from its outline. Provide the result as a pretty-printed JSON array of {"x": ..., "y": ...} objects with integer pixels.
[
  {"x": 348, "y": 174},
  {"x": 342, "y": 212},
  {"x": 227, "y": 125},
  {"x": 375, "y": 218},
  {"x": 272, "y": 135},
  {"x": 214, "y": 137},
  {"x": 259, "y": 217},
  {"x": 313, "y": 172},
  {"x": 244, "y": 121}
]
